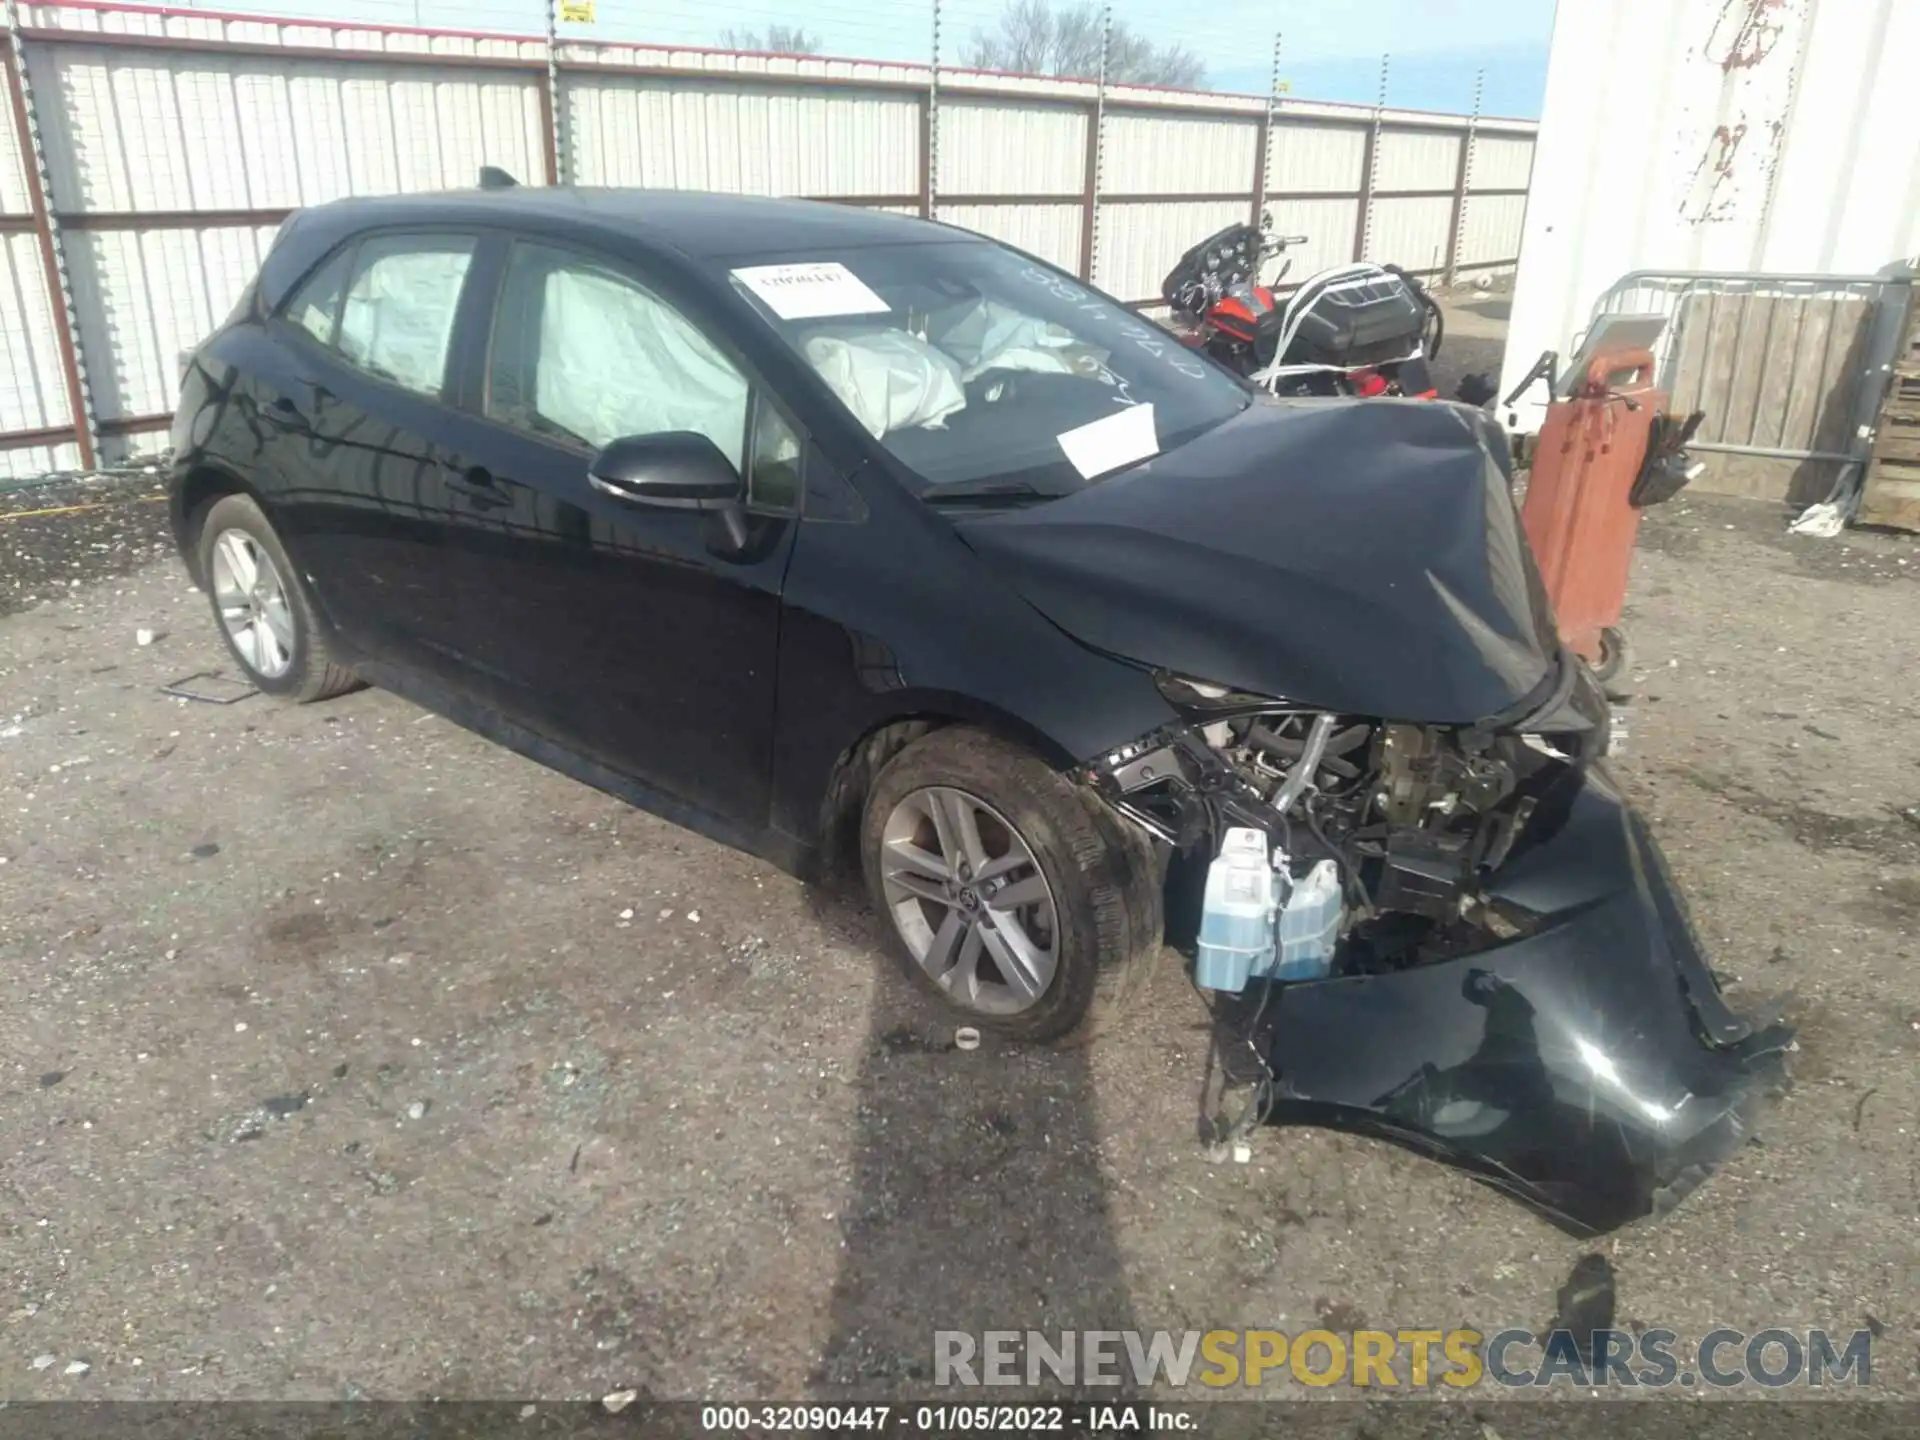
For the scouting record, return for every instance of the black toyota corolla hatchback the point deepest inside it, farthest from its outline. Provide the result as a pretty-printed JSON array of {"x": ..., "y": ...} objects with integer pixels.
[{"x": 850, "y": 539}]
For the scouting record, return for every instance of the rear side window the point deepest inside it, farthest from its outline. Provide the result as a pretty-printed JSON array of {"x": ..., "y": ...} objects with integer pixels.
[
  {"x": 397, "y": 316},
  {"x": 315, "y": 306}
]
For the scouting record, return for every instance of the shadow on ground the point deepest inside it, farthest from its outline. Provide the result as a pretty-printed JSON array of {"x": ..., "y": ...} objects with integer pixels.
[{"x": 979, "y": 1201}]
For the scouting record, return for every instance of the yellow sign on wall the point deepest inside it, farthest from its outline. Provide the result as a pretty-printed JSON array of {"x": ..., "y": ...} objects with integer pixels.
[{"x": 577, "y": 12}]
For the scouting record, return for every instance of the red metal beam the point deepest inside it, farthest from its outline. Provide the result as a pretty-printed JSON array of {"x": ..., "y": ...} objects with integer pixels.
[
  {"x": 49, "y": 261},
  {"x": 169, "y": 219},
  {"x": 196, "y": 45},
  {"x": 49, "y": 435}
]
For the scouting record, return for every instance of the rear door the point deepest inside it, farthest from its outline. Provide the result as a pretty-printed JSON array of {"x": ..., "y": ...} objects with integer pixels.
[
  {"x": 642, "y": 638},
  {"x": 361, "y": 424}
]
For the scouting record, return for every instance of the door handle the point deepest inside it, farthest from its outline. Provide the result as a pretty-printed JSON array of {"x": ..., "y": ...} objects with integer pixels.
[
  {"x": 284, "y": 412},
  {"x": 475, "y": 484}
]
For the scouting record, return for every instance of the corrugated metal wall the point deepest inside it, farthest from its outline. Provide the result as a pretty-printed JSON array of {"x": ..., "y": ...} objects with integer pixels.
[
  {"x": 1726, "y": 135},
  {"x": 177, "y": 141}
]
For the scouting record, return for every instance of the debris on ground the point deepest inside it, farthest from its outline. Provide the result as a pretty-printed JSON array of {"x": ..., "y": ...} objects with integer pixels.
[
  {"x": 1586, "y": 1302},
  {"x": 209, "y": 687}
]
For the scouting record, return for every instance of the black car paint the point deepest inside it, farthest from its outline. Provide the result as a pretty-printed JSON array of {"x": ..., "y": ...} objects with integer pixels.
[
  {"x": 634, "y": 647},
  {"x": 1348, "y": 556},
  {"x": 717, "y": 668},
  {"x": 1588, "y": 1067}
]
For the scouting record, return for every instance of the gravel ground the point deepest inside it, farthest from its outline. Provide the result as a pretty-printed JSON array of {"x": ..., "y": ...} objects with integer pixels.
[{"x": 346, "y": 1054}]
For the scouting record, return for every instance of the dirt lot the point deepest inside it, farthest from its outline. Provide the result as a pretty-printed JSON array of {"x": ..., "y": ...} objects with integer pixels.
[{"x": 348, "y": 1055}]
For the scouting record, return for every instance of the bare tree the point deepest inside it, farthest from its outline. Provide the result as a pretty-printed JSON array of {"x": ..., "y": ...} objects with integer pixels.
[
  {"x": 776, "y": 40},
  {"x": 1038, "y": 37}
]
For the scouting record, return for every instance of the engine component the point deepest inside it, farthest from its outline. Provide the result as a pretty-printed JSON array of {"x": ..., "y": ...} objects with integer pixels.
[
  {"x": 1392, "y": 825},
  {"x": 1424, "y": 873},
  {"x": 1303, "y": 771}
]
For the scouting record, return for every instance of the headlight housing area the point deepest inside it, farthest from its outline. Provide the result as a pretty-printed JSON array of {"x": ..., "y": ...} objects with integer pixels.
[{"x": 1204, "y": 699}]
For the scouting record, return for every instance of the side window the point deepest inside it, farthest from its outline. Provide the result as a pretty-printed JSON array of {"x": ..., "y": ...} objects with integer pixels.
[
  {"x": 773, "y": 470},
  {"x": 587, "y": 355},
  {"x": 315, "y": 306},
  {"x": 397, "y": 318}
]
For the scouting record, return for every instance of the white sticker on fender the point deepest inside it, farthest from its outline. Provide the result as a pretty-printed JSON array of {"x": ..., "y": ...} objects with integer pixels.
[
  {"x": 812, "y": 290},
  {"x": 1120, "y": 439}
]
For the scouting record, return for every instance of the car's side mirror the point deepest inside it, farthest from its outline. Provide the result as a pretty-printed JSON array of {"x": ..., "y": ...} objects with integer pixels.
[{"x": 673, "y": 469}]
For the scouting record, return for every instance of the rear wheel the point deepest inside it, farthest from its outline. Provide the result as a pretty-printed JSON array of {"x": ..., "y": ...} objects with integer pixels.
[
  {"x": 1613, "y": 668},
  {"x": 263, "y": 610},
  {"x": 1011, "y": 895}
]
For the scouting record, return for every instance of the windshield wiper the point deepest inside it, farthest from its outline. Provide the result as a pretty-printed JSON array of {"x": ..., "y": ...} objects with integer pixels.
[{"x": 985, "y": 492}]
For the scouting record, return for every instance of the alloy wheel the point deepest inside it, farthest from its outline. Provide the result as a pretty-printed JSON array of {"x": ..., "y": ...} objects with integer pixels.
[
  {"x": 970, "y": 901},
  {"x": 252, "y": 600}
]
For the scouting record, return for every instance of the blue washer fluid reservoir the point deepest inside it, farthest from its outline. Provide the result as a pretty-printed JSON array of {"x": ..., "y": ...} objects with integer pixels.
[
  {"x": 1237, "y": 916},
  {"x": 1309, "y": 925}
]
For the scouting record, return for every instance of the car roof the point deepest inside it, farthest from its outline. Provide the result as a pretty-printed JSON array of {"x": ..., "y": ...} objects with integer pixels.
[{"x": 694, "y": 222}]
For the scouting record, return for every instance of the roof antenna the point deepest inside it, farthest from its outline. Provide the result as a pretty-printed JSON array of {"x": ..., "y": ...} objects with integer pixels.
[{"x": 492, "y": 177}]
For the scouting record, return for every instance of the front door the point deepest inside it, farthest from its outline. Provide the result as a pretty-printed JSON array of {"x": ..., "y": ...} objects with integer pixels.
[{"x": 642, "y": 638}]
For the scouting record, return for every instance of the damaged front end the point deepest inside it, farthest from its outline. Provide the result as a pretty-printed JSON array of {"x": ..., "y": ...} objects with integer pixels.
[{"x": 1517, "y": 989}]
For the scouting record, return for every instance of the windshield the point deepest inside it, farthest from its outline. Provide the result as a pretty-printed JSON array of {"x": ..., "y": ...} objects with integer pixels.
[{"x": 987, "y": 373}]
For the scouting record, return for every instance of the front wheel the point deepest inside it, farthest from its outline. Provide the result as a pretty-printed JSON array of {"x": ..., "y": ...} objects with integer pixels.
[{"x": 1018, "y": 900}]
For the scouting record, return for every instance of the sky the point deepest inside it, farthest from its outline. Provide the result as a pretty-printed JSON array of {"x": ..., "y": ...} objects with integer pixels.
[{"x": 1330, "y": 51}]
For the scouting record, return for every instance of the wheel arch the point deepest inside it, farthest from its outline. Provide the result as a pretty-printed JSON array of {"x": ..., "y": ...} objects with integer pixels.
[
  {"x": 194, "y": 493},
  {"x": 850, "y": 777}
]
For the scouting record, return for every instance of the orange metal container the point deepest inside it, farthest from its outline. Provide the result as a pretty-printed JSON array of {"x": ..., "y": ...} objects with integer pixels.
[{"x": 1576, "y": 514}]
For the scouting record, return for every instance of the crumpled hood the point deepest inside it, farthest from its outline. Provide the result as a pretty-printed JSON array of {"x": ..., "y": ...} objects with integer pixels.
[{"x": 1356, "y": 556}]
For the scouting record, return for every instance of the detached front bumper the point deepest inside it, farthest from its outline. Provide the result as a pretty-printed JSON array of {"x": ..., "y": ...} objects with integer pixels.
[{"x": 1588, "y": 1067}]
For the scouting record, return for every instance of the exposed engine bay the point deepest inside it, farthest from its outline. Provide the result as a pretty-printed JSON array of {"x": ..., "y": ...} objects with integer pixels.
[{"x": 1412, "y": 815}]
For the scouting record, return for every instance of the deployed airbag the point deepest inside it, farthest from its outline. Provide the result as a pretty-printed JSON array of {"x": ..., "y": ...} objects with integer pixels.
[
  {"x": 615, "y": 361},
  {"x": 890, "y": 379}
]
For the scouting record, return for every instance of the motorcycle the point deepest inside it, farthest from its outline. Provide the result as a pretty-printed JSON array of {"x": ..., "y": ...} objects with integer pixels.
[{"x": 1358, "y": 329}]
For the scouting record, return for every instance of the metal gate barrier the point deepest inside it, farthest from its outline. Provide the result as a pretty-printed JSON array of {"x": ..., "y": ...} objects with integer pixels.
[{"x": 1789, "y": 368}]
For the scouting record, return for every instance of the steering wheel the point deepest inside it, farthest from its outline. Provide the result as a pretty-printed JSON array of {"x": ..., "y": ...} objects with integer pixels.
[{"x": 994, "y": 386}]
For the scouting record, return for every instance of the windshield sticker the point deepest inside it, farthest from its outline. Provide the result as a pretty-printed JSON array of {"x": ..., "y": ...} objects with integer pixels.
[
  {"x": 1119, "y": 439},
  {"x": 810, "y": 291}
]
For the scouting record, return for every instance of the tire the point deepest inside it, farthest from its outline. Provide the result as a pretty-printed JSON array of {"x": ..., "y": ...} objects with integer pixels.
[
  {"x": 284, "y": 648},
  {"x": 1614, "y": 668},
  {"x": 1102, "y": 886}
]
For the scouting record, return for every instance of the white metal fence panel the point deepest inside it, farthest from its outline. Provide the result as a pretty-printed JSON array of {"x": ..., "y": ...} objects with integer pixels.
[
  {"x": 1416, "y": 160},
  {"x": 1501, "y": 162},
  {"x": 699, "y": 135},
  {"x": 33, "y": 388},
  {"x": 1139, "y": 243},
  {"x": 1316, "y": 157},
  {"x": 1001, "y": 149},
  {"x": 1490, "y": 229},
  {"x": 1328, "y": 226},
  {"x": 1147, "y": 155},
  {"x": 175, "y": 152},
  {"x": 13, "y": 165},
  {"x": 188, "y": 131},
  {"x": 1411, "y": 233},
  {"x": 1050, "y": 231},
  {"x": 144, "y": 296}
]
